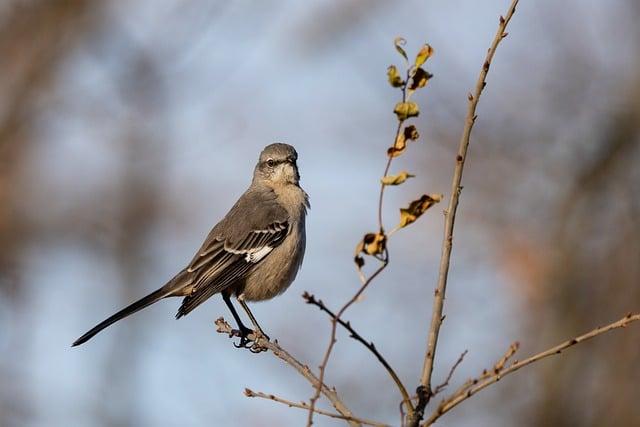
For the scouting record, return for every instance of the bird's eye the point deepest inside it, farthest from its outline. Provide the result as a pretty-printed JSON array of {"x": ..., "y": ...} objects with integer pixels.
[{"x": 270, "y": 163}]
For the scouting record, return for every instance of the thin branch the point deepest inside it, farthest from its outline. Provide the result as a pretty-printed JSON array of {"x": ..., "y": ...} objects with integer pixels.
[
  {"x": 334, "y": 327},
  {"x": 471, "y": 387},
  {"x": 424, "y": 390},
  {"x": 224, "y": 328},
  {"x": 305, "y": 405},
  {"x": 365, "y": 282},
  {"x": 390, "y": 159},
  {"x": 310, "y": 299},
  {"x": 445, "y": 383}
]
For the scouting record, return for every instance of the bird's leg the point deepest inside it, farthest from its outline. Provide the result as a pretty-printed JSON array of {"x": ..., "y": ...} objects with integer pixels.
[
  {"x": 244, "y": 331},
  {"x": 251, "y": 317}
]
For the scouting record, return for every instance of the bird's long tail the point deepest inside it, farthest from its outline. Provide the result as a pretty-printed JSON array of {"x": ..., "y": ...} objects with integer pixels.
[{"x": 172, "y": 288}]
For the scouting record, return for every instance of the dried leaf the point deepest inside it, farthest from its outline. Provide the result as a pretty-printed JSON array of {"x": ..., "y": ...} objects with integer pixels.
[
  {"x": 419, "y": 79},
  {"x": 398, "y": 147},
  {"x": 409, "y": 133},
  {"x": 394, "y": 77},
  {"x": 404, "y": 110},
  {"x": 396, "y": 179},
  {"x": 399, "y": 42},
  {"x": 371, "y": 244},
  {"x": 417, "y": 208},
  {"x": 424, "y": 54}
]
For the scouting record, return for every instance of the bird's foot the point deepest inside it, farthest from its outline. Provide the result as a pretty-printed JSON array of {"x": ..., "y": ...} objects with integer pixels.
[{"x": 250, "y": 339}]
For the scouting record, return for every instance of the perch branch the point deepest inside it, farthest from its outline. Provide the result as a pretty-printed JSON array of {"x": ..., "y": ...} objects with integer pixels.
[{"x": 224, "y": 328}]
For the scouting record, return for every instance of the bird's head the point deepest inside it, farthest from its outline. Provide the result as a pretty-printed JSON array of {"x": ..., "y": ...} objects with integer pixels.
[{"x": 277, "y": 165}]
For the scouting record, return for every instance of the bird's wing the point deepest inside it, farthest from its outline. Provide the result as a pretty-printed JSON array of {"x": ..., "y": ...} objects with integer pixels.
[{"x": 255, "y": 225}]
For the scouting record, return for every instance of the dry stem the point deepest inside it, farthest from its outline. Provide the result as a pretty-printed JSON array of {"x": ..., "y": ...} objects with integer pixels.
[
  {"x": 334, "y": 327},
  {"x": 224, "y": 328},
  {"x": 406, "y": 399},
  {"x": 424, "y": 390},
  {"x": 305, "y": 405},
  {"x": 494, "y": 375}
]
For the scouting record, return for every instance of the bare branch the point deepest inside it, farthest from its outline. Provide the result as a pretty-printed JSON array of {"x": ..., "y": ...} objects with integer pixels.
[
  {"x": 487, "y": 378},
  {"x": 445, "y": 383},
  {"x": 384, "y": 259},
  {"x": 224, "y": 328},
  {"x": 424, "y": 390},
  {"x": 310, "y": 299},
  {"x": 305, "y": 405},
  {"x": 334, "y": 326}
]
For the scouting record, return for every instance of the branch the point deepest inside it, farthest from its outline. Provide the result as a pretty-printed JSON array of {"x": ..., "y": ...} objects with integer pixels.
[
  {"x": 305, "y": 405},
  {"x": 424, "y": 390},
  {"x": 383, "y": 258},
  {"x": 442, "y": 386},
  {"x": 334, "y": 326},
  {"x": 310, "y": 299},
  {"x": 471, "y": 387},
  {"x": 224, "y": 328}
]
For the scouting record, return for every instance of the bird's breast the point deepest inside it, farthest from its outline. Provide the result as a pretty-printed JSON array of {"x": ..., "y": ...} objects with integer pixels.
[{"x": 278, "y": 270}]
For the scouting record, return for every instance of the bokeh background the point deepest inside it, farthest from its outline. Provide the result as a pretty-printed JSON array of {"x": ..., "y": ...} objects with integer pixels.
[{"x": 127, "y": 129}]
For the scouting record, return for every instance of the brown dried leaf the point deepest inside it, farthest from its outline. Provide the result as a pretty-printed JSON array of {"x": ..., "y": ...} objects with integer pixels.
[
  {"x": 371, "y": 244},
  {"x": 424, "y": 54},
  {"x": 419, "y": 79},
  {"x": 404, "y": 110},
  {"x": 409, "y": 133},
  {"x": 396, "y": 179},
  {"x": 394, "y": 77},
  {"x": 417, "y": 208}
]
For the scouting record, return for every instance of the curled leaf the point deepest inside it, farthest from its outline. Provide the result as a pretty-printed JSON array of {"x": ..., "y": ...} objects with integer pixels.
[
  {"x": 396, "y": 179},
  {"x": 417, "y": 208},
  {"x": 409, "y": 133},
  {"x": 424, "y": 54},
  {"x": 371, "y": 244},
  {"x": 398, "y": 43},
  {"x": 398, "y": 146},
  {"x": 404, "y": 110},
  {"x": 394, "y": 77},
  {"x": 419, "y": 79}
]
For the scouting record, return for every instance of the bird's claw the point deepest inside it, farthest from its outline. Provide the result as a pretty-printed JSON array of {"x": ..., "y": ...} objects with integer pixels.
[{"x": 246, "y": 342}]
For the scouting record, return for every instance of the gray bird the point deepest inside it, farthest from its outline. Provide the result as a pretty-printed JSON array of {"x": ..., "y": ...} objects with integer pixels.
[{"x": 254, "y": 253}]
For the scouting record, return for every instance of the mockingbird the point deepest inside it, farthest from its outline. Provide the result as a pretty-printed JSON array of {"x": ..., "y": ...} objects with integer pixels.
[{"x": 254, "y": 253}]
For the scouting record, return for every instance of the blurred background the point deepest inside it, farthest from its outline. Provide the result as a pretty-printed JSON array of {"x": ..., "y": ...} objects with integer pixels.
[{"x": 127, "y": 130}]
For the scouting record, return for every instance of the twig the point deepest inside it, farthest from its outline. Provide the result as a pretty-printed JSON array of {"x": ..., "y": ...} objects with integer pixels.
[
  {"x": 334, "y": 327},
  {"x": 224, "y": 328},
  {"x": 406, "y": 399},
  {"x": 305, "y": 405},
  {"x": 471, "y": 387},
  {"x": 365, "y": 282},
  {"x": 445, "y": 383},
  {"x": 390, "y": 159},
  {"x": 424, "y": 390}
]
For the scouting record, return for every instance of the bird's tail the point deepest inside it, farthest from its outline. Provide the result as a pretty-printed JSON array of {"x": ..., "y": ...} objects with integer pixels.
[{"x": 170, "y": 289}]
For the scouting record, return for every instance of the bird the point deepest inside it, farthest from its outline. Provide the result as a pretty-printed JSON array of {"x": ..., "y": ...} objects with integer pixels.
[{"x": 253, "y": 254}]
